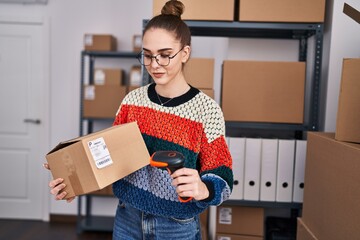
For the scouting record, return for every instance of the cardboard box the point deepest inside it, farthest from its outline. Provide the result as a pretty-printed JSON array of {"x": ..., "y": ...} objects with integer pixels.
[
  {"x": 108, "y": 76},
  {"x": 263, "y": 91},
  {"x": 202, "y": 9},
  {"x": 348, "y": 115},
  {"x": 223, "y": 236},
  {"x": 107, "y": 191},
  {"x": 94, "y": 161},
  {"x": 332, "y": 187},
  {"x": 100, "y": 42},
  {"x": 102, "y": 101},
  {"x": 303, "y": 232},
  {"x": 199, "y": 72},
  {"x": 240, "y": 220},
  {"x": 282, "y": 11}
]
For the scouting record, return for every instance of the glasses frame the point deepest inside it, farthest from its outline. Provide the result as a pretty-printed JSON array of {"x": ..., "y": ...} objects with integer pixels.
[{"x": 141, "y": 56}]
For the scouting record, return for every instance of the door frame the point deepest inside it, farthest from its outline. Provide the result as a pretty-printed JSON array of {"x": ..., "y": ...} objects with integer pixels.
[{"x": 45, "y": 126}]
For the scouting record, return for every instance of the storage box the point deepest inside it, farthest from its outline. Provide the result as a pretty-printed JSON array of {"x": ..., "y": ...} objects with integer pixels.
[
  {"x": 223, "y": 236},
  {"x": 282, "y": 11},
  {"x": 199, "y": 72},
  {"x": 348, "y": 115},
  {"x": 202, "y": 9},
  {"x": 332, "y": 187},
  {"x": 303, "y": 232},
  {"x": 94, "y": 161},
  {"x": 107, "y": 191},
  {"x": 240, "y": 220},
  {"x": 100, "y": 42},
  {"x": 102, "y": 101},
  {"x": 108, "y": 76},
  {"x": 255, "y": 91}
]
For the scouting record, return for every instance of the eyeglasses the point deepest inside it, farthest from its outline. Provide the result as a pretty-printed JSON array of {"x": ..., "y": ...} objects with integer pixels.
[{"x": 161, "y": 59}]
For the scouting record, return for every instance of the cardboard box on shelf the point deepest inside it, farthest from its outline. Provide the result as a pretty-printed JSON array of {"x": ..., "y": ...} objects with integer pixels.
[
  {"x": 254, "y": 91},
  {"x": 240, "y": 220},
  {"x": 282, "y": 11},
  {"x": 199, "y": 72},
  {"x": 223, "y": 236},
  {"x": 96, "y": 160},
  {"x": 99, "y": 42},
  {"x": 102, "y": 101},
  {"x": 202, "y": 9},
  {"x": 108, "y": 76},
  {"x": 348, "y": 114},
  {"x": 332, "y": 187}
]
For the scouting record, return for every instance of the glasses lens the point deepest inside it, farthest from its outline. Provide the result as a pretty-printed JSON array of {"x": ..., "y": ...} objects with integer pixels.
[
  {"x": 144, "y": 59},
  {"x": 163, "y": 59}
]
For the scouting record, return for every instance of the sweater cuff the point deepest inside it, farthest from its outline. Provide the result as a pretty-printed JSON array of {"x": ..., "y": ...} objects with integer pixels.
[{"x": 210, "y": 187}]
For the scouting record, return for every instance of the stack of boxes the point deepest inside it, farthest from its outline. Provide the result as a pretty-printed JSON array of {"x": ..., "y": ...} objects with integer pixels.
[
  {"x": 331, "y": 196},
  {"x": 102, "y": 99}
]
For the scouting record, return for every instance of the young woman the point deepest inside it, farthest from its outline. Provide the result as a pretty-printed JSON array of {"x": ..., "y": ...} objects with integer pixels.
[{"x": 172, "y": 115}]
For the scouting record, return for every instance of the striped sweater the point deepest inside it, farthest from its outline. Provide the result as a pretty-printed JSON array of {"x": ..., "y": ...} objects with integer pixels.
[{"x": 192, "y": 124}]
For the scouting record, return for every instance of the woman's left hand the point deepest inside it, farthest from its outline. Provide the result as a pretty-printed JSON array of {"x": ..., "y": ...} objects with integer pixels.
[{"x": 188, "y": 184}]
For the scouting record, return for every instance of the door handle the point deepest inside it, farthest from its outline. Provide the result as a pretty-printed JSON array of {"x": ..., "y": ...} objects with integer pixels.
[{"x": 34, "y": 121}]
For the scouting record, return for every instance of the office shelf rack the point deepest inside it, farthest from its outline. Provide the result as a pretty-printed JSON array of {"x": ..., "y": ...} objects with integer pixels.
[{"x": 88, "y": 222}]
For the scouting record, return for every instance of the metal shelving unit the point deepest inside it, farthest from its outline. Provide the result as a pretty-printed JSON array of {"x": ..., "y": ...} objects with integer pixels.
[{"x": 88, "y": 222}]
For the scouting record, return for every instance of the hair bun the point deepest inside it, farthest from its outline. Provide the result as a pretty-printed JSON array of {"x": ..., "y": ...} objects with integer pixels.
[{"x": 173, "y": 7}]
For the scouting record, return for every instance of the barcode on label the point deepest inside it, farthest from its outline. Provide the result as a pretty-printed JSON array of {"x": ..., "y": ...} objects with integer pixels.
[{"x": 100, "y": 152}]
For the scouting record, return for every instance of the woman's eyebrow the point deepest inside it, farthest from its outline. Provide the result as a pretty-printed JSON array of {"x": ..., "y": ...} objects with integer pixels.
[{"x": 160, "y": 50}]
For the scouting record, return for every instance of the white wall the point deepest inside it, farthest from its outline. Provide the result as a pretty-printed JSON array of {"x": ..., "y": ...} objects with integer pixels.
[
  {"x": 344, "y": 40},
  {"x": 69, "y": 20}
]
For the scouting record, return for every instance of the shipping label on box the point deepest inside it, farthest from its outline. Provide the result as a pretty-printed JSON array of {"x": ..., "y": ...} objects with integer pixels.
[{"x": 94, "y": 161}]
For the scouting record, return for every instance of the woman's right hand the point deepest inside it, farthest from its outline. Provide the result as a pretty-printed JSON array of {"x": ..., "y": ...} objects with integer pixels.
[{"x": 57, "y": 186}]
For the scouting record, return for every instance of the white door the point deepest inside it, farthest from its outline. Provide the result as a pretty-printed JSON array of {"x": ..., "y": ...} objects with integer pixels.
[{"x": 23, "y": 119}]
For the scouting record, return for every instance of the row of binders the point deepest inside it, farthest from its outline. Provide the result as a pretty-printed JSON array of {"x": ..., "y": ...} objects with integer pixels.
[{"x": 268, "y": 169}]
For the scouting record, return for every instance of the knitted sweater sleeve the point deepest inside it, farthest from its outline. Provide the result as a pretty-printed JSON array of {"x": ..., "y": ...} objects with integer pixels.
[{"x": 215, "y": 158}]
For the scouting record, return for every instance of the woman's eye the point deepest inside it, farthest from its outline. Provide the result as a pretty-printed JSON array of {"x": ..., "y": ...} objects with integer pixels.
[
  {"x": 147, "y": 55},
  {"x": 164, "y": 55}
]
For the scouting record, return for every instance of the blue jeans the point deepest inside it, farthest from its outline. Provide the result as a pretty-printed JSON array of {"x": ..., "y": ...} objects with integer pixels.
[{"x": 132, "y": 224}]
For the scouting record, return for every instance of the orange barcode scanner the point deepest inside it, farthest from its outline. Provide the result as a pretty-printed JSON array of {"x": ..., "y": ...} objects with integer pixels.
[{"x": 172, "y": 161}]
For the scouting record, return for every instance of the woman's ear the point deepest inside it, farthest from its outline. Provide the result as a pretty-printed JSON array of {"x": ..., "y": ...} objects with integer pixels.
[{"x": 186, "y": 53}]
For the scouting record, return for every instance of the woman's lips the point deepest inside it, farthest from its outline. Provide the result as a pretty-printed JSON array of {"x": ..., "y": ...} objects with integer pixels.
[{"x": 157, "y": 75}]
